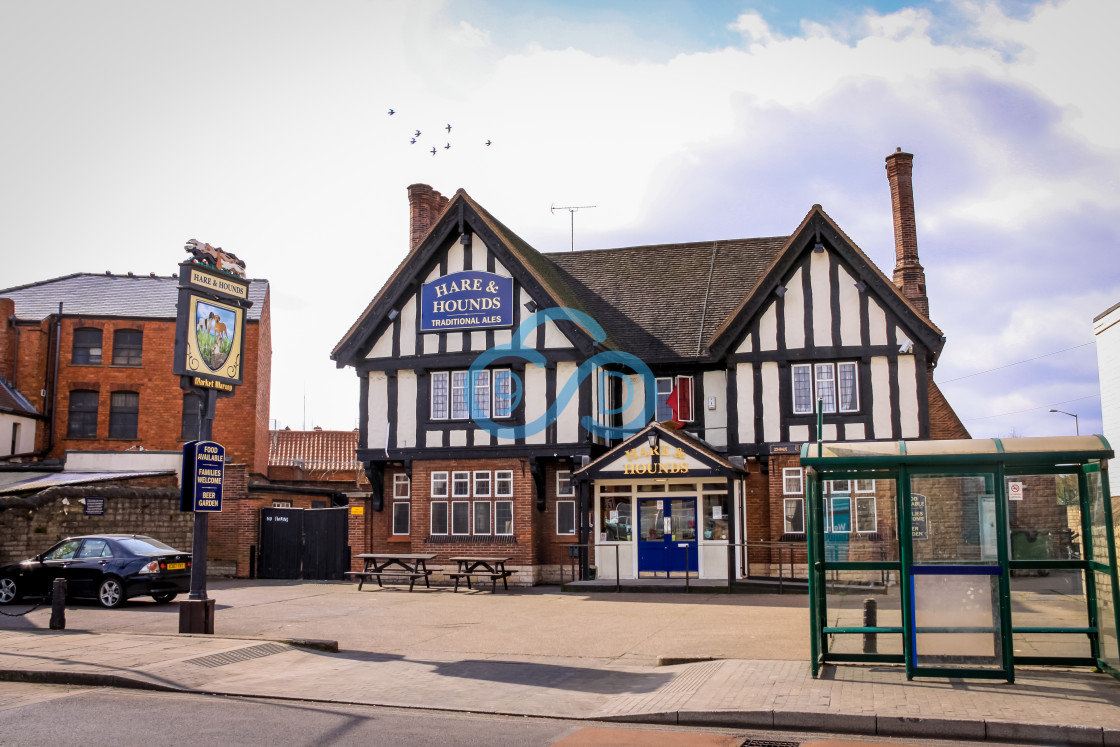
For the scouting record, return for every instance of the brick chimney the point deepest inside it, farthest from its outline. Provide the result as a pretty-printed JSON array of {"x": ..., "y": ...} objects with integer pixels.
[
  {"x": 908, "y": 273},
  {"x": 7, "y": 339},
  {"x": 425, "y": 206}
]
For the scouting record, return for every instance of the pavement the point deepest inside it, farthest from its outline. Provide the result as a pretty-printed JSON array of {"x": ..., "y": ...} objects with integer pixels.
[{"x": 738, "y": 661}]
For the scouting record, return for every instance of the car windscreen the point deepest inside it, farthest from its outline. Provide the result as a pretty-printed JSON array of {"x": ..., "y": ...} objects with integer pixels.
[{"x": 145, "y": 545}]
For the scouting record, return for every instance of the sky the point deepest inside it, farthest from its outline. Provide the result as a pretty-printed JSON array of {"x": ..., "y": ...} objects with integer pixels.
[{"x": 262, "y": 126}]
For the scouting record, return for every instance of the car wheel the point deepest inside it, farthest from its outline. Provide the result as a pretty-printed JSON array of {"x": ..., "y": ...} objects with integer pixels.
[
  {"x": 9, "y": 591},
  {"x": 111, "y": 593},
  {"x": 164, "y": 598}
]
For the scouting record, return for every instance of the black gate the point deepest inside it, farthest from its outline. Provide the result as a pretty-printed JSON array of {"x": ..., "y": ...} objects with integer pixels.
[{"x": 302, "y": 543}]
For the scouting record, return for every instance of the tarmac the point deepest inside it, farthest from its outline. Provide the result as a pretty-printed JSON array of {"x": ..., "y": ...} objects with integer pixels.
[{"x": 737, "y": 661}]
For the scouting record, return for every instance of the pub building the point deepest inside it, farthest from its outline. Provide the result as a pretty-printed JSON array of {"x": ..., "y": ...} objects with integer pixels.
[{"x": 646, "y": 401}]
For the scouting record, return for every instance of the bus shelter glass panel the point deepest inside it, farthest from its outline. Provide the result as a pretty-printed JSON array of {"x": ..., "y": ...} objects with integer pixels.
[
  {"x": 956, "y": 617},
  {"x": 955, "y": 575},
  {"x": 860, "y": 520},
  {"x": 860, "y": 599},
  {"x": 1044, "y": 518},
  {"x": 1049, "y": 599},
  {"x": 1102, "y": 573}
]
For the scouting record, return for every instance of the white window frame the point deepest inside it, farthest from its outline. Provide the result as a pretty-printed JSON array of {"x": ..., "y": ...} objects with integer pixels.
[
  {"x": 281, "y": 504},
  {"x": 842, "y": 487},
  {"x": 786, "y": 515},
  {"x": 500, "y": 476},
  {"x": 440, "y": 382},
  {"x": 566, "y": 508},
  {"x": 482, "y": 483},
  {"x": 510, "y": 532},
  {"x": 564, "y": 477},
  {"x": 461, "y": 479},
  {"x": 404, "y": 507},
  {"x": 454, "y": 531},
  {"x": 437, "y": 478},
  {"x": 865, "y": 487},
  {"x": 481, "y": 389},
  {"x": 458, "y": 403},
  {"x": 789, "y": 473},
  {"x": 830, "y": 379},
  {"x": 440, "y": 507},
  {"x": 503, "y": 392},
  {"x": 400, "y": 479},
  {"x": 674, "y": 383},
  {"x": 840, "y": 367},
  {"x": 831, "y": 509},
  {"x": 488, "y": 513},
  {"x": 856, "y": 500},
  {"x": 806, "y": 370}
]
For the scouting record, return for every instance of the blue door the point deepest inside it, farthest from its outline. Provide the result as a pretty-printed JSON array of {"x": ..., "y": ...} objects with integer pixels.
[{"x": 667, "y": 538}]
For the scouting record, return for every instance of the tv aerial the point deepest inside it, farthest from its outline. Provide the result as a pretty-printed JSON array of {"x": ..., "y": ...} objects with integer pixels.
[{"x": 572, "y": 210}]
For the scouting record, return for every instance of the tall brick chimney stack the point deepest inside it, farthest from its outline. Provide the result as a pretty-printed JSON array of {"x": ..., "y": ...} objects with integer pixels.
[
  {"x": 7, "y": 339},
  {"x": 909, "y": 275},
  {"x": 425, "y": 206}
]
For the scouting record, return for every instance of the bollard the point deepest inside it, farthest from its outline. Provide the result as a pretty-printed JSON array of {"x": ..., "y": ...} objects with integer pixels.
[
  {"x": 870, "y": 620},
  {"x": 58, "y": 604}
]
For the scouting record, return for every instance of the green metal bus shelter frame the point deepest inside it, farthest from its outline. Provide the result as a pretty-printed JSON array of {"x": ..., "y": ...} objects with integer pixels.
[{"x": 995, "y": 459}]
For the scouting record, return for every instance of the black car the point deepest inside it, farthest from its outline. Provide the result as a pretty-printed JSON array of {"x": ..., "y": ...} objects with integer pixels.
[{"x": 111, "y": 568}]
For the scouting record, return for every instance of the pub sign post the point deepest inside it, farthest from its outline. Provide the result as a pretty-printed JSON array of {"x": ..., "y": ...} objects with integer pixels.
[{"x": 209, "y": 355}]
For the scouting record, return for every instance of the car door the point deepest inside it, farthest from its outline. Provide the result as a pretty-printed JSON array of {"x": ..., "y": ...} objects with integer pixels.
[
  {"x": 89, "y": 566},
  {"x": 56, "y": 563}
]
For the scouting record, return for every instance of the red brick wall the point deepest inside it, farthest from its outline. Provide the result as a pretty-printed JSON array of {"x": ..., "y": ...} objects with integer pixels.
[
  {"x": 7, "y": 338},
  {"x": 241, "y": 423}
]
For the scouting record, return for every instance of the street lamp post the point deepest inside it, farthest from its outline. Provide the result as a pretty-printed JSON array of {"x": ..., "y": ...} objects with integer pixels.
[{"x": 1076, "y": 425}]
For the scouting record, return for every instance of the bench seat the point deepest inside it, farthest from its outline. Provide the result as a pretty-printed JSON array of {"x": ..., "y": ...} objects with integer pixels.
[
  {"x": 364, "y": 576},
  {"x": 503, "y": 575}
]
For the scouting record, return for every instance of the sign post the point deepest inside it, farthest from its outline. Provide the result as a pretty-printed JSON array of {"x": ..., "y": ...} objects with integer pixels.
[{"x": 209, "y": 351}]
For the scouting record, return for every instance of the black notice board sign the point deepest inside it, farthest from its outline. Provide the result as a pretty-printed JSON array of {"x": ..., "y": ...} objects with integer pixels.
[
  {"x": 204, "y": 465},
  {"x": 919, "y": 521},
  {"x": 94, "y": 507}
]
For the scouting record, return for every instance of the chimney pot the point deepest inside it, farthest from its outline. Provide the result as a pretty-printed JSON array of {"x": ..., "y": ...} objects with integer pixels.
[{"x": 909, "y": 275}]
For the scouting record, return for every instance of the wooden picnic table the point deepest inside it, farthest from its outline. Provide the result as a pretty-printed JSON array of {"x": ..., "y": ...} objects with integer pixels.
[
  {"x": 397, "y": 565},
  {"x": 471, "y": 566}
]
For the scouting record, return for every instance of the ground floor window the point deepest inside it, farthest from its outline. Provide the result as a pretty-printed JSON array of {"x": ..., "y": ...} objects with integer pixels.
[
  {"x": 565, "y": 517},
  {"x": 401, "y": 517},
  {"x": 615, "y": 518},
  {"x": 503, "y": 517},
  {"x": 716, "y": 515}
]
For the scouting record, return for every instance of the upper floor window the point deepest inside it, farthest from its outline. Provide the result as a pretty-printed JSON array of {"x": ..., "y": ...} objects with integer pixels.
[
  {"x": 127, "y": 347},
  {"x": 82, "y": 417},
  {"x": 87, "y": 347},
  {"x": 489, "y": 395},
  {"x": 835, "y": 384},
  {"x": 674, "y": 391},
  {"x": 401, "y": 485},
  {"x": 124, "y": 414},
  {"x": 564, "y": 483}
]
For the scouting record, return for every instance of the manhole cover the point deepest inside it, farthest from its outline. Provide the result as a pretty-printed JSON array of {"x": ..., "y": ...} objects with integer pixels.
[{"x": 241, "y": 654}]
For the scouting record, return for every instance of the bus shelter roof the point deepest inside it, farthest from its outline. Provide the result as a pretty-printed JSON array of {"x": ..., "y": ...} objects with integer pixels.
[{"x": 1038, "y": 450}]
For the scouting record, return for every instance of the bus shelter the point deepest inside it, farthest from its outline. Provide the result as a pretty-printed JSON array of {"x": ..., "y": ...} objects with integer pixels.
[{"x": 962, "y": 558}]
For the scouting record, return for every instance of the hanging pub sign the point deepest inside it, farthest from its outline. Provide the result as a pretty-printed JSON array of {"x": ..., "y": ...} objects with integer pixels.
[
  {"x": 204, "y": 464},
  {"x": 466, "y": 300},
  {"x": 210, "y": 328}
]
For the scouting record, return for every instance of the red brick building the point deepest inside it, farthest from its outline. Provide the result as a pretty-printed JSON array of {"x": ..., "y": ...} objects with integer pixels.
[{"x": 92, "y": 356}]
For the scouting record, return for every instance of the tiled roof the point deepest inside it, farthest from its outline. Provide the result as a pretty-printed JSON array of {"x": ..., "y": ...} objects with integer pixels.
[
  {"x": 314, "y": 450},
  {"x": 140, "y": 296},
  {"x": 14, "y": 402},
  {"x": 666, "y": 300}
]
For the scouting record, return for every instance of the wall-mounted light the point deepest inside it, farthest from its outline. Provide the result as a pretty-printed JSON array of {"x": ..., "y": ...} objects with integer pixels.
[
  {"x": 861, "y": 286},
  {"x": 393, "y": 315},
  {"x": 780, "y": 291},
  {"x": 651, "y": 438},
  {"x": 818, "y": 248},
  {"x": 465, "y": 239},
  {"x": 531, "y": 305}
]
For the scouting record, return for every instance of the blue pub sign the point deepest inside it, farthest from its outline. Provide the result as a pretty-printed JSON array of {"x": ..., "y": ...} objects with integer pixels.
[
  {"x": 204, "y": 464},
  {"x": 466, "y": 300}
]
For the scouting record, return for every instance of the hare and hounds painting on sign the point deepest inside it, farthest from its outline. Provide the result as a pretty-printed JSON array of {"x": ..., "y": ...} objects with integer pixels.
[{"x": 213, "y": 347}]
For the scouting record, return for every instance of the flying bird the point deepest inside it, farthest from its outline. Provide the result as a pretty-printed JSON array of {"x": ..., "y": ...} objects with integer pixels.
[
  {"x": 391, "y": 112},
  {"x": 447, "y": 147},
  {"x": 448, "y": 128},
  {"x": 418, "y": 133},
  {"x": 412, "y": 141},
  {"x": 433, "y": 150},
  {"x": 487, "y": 142}
]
